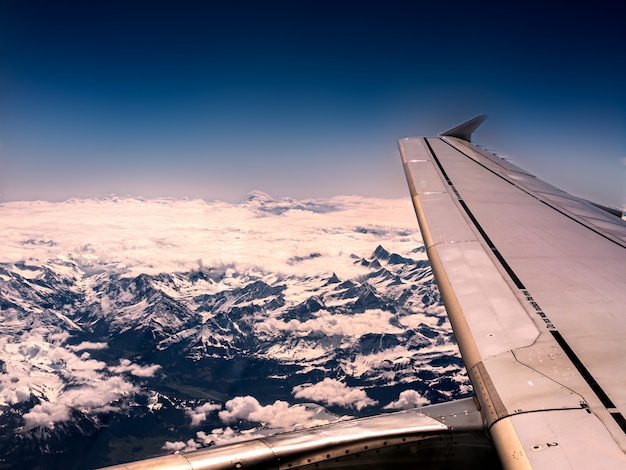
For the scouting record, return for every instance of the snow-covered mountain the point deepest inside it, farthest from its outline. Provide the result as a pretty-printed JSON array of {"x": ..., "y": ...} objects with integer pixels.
[{"x": 130, "y": 328}]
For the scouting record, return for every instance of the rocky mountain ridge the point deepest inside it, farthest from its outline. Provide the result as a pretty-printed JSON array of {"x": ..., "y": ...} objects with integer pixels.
[{"x": 101, "y": 364}]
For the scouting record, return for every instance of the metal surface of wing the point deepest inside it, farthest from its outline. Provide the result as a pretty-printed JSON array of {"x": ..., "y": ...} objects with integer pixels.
[
  {"x": 447, "y": 435},
  {"x": 534, "y": 282}
]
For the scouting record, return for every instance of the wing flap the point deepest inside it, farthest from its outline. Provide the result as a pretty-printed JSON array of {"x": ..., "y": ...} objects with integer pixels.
[
  {"x": 556, "y": 440},
  {"x": 497, "y": 321}
]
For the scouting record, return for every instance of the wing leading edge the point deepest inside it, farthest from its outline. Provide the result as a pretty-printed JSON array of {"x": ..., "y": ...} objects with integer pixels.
[{"x": 533, "y": 281}]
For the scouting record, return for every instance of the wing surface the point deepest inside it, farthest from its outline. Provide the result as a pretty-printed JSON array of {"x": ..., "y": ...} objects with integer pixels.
[
  {"x": 534, "y": 282},
  {"x": 446, "y": 435}
]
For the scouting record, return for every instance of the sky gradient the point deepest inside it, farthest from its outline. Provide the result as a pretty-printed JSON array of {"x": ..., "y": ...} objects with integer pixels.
[{"x": 304, "y": 99}]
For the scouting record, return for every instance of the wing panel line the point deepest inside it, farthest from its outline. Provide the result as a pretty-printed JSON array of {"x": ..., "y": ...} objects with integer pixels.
[
  {"x": 595, "y": 386},
  {"x": 518, "y": 283},
  {"x": 530, "y": 193}
]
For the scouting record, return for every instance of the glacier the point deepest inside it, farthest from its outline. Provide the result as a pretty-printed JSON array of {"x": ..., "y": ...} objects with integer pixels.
[{"x": 133, "y": 327}]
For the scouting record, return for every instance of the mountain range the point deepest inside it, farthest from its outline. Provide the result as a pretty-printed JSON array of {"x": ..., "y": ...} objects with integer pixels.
[{"x": 108, "y": 355}]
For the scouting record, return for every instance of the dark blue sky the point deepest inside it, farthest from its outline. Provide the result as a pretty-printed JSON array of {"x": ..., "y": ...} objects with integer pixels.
[{"x": 305, "y": 99}]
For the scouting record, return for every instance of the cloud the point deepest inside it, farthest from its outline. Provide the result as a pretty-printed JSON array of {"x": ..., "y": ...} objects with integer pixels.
[
  {"x": 58, "y": 337},
  {"x": 362, "y": 365},
  {"x": 225, "y": 435},
  {"x": 370, "y": 321},
  {"x": 334, "y": 392},
  {"x": 239, "y": 408},
  {"x": 129, "y": 235},
  {"x": 218, "y": 436},
  {"x": 98, "y": 394},
  {"x": 276, "y": 417},
  {"x": 280, "y": 414},
  {"x": 181, "y": 446},
  {"x": 135, "y": 369},
  {"x": 87, "y": 345},
  {"x": 407, "y": 400},
  {"x": 45, "y": 415},
  {"x": 174, "y": 446},
  {"x": 198, "y": 414}
]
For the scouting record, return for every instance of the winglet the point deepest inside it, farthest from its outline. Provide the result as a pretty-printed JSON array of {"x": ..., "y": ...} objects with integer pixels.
[{"x": 464, "y": 131}]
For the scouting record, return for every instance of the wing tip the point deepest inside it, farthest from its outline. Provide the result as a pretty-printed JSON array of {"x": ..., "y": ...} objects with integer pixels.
[{"x": 465, "y": 130}]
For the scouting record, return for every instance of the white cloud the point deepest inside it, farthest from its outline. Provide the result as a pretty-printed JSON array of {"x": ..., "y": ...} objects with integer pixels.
[
  {"x": 334, "y": 392},
  {"x": 407, "y": 400},
  {"x": 135, "y": 369},
  {"x": 98, "y": 394},
  {"x": 219, "y": 436},
  {"x": 58, "y": 336},
  {"x": 130, "y": 234},
  {"x": 276, "y": 417},
  {"x": 228, "y": 435},
  {"x": 370, "y": 321},
  {"x": 247, "y": 408},
  {"x": 360, "y": 365},
  {"x": 174, "y": 446},
  {"x": 87, "y": 345},
  {"x": 46, "y": 414},
  {"x": 181, "y": 446},
  {"x": 280, "y": 414},
  {"x": 198, "y": 415}
]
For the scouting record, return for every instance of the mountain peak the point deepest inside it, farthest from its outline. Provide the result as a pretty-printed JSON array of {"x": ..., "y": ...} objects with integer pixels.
[{"x": 380, "y": 253}]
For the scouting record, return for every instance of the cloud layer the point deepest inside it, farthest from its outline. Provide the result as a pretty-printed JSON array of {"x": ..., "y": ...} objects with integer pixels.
[{"x": 162, "y": 235}]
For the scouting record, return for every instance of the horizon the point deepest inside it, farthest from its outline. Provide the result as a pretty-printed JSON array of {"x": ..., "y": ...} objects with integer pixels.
[{"x": 304, "y": 100}]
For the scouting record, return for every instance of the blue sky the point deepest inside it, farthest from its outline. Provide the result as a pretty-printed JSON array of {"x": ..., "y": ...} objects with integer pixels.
[{"x": 300, "y": 98}]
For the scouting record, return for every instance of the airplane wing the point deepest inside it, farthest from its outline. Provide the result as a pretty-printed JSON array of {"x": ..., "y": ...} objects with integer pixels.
[{"x": 534, "y": 283}]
